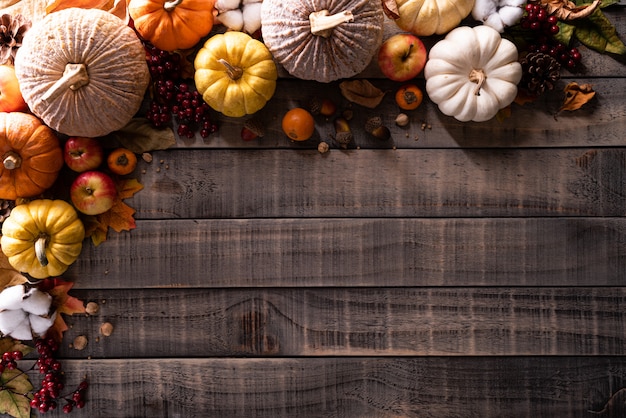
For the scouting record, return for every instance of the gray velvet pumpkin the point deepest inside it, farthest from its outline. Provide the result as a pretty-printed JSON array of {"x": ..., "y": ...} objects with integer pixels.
[
  {"x": 322, "y": 40},
  {"x": 82, "y": 71}
]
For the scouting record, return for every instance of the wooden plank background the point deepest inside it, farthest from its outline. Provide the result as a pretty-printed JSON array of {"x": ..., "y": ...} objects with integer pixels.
[{"x": 461, "y": 270}]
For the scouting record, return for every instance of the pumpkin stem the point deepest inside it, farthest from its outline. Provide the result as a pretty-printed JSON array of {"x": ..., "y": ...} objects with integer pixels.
[
  {"x": 40, "y": 249},
  {"x": 74, "y": 77},
  {"x": 169, "y": 6},
  {"x": 322, "y": 22},
  {"x": 478, "y": 77},
  {"x": 233, "y": 72},
  {"x": 11, "y": 160}
]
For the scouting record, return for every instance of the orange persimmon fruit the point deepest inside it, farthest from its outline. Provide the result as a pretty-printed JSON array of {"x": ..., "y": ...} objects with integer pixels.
[
  {"x": 298, "y": 124},
  {"x": 122, "y": 161},
  {"x": 409, "y": 97}
]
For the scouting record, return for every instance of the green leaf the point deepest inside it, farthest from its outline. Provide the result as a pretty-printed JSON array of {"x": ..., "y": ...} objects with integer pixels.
[
  {"x": 8, "y": 344},
  {"x": 597, "y": 33},
  {"x": 14, "y": 399},
  {"x": 566, "y": 33}
]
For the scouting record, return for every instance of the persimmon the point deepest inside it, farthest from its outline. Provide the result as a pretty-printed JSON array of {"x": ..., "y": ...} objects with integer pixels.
[
  {"x": 298, "y": 124},
  {"x": 122, "y": 161},
  {"x": 409, "y": 97}
]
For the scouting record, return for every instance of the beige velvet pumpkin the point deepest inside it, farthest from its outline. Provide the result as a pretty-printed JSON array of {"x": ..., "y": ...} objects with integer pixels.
[
  {"x": 322, "y": 40},
  {"x": 82, "y": 71}
]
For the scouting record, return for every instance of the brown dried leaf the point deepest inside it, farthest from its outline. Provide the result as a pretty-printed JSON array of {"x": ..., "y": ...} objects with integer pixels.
[
  {"x": 8, "y": 275},
  {"x": 390, "y": 7},
  {"x": 567, "y": 10},
  {"x": 361, "y": 92},
  {"x": 140, "y": 136},
  {"x": 576, "y": 96}
]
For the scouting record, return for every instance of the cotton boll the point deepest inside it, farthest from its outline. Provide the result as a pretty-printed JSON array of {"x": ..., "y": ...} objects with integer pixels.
[
  {"x": 12, "y": 322},
  {"x": 36, "y": 302},
  {"x": 244, "y": 2},
  {"x": 252, "y": 17},
  {"x": 232, "y": 19},
  {"x": 11, "y": 297},
  {"x": 512, "y": 3},
  {"x": 510, "y": 15},
  {"x": 483, "y": 8},
  {"x": 224, "y": 5},
  {"x": 40, "y": 324},
  {"x": 495, "y": 22}
]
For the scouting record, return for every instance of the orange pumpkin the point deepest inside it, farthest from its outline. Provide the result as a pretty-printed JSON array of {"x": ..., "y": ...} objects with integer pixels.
[
  {"x": 172, "y": 24},
  {"x": 31, "y": 156}
]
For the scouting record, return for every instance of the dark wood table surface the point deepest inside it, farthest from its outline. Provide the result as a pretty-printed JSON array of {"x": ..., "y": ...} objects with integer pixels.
[{"x": 461, "y": 270}]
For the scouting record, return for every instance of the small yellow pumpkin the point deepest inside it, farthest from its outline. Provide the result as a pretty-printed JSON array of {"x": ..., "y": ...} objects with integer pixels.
[
  {"x": 42, "y": 237},
  {"x": 235, "y": 73}
]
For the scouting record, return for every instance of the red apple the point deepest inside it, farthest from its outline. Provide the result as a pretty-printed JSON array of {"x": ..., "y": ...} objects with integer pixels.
[
  {"x": 82, "y": 154},
  {"x": 11, "y": 99},
  {"x": 402, "y": 57},
  {"x": 93, "y": 192}
]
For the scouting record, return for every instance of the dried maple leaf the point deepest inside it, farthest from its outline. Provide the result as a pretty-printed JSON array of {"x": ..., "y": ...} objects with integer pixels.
[
  {"x": 576, "y": 96},
  {"x": 567, "y": 10},
  {"x": 64, "y": 304},
  {"x": 8, "y": 275},
  {"x": 361, "y": 92},
  {"x": 119, "y": 217}
]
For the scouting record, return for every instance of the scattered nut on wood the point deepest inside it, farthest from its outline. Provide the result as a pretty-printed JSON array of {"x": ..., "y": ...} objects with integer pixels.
[
  {"x": 80, "y": 342},
  {"x": 106, "y": 329},
  {"x": 402, "y": 119},
  {"x": 147, "y": 157},
  {"x": 323, "y": 147},
  {"x": 92, "y": 308}
]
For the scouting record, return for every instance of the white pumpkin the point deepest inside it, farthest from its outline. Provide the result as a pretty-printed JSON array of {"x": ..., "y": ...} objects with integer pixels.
[{"x": 472, "y": 73}]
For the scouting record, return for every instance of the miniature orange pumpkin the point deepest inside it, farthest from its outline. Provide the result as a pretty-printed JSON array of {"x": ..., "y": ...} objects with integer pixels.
[
  {"x": 31, "y": 156},
  {"x": 172, "y": 24}
]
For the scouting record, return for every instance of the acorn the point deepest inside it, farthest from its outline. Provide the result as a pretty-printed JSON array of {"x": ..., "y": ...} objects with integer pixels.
[
  {"x": 374, "y": 126},
  {"x": 343, "y": 133},
  {"x": 324, "y": 107},
  {"x": 252, "y": 130}
]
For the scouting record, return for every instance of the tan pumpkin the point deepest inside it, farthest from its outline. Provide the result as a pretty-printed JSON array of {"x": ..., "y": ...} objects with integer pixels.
[
  {"x": 430, "y": 17},
  {"x": 42, "y": 237},
  {"x": 320, "y": 40},
  {"x": 31, "y": 156},
  {"x": 82, "y": 71}
]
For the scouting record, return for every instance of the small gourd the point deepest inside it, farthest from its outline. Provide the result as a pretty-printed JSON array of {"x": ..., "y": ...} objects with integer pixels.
[
  {"x": 430, "y": 17},
  {"x": 82, "y": 71},
  {"x": 235, "y": 73},
  {"x": 31, "y": 156},
  {"x": 472, "y": 73},
  {"x": 42, "y": 237},
  {"x": 172, "y": 24},
  {"x": 320, "y": 40}
]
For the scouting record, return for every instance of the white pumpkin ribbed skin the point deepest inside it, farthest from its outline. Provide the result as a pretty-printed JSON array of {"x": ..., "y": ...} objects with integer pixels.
[
  {"x": 287, "y": 33},
  {"x": 116, "y": 64},
  {"x": 450, "y": 63},
  {"x": 429, "y": 17}
]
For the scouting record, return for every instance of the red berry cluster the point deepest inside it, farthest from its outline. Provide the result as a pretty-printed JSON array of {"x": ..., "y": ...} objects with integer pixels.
[
  {"x": 47, "y": 397},
  {"x": 9, "y": 360},
  {"x": 175, "y": 97},
  {"x": 543, "y": 27}
]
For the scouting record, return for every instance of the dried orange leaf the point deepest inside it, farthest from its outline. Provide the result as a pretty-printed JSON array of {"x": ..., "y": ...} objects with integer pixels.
[
  {"x": 576, "y": 96},
  {"x": 128, "y": 187},
  {"x": 390, "y": 7},
  {"x": 361, "y": 92},
  {"x": 64, "y": 304},
  {"x": 8, "y": 275}
]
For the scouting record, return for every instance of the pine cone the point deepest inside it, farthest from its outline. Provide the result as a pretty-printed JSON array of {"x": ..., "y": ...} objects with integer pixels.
[
  {"x": 5, "y": 209},
  {"x": 540, "y": 72},
  {"x": 12, "y": 30}
]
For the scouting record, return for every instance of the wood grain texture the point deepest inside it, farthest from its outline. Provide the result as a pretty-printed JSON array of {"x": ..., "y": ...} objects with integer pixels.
[
  {"x": 358, "y": 252},
  {"x": 346, "y": 322},
  {"x": 395, "y": 183},
  {"x": 425, "y": 387},
  {"x": 600, "y": 122}
]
